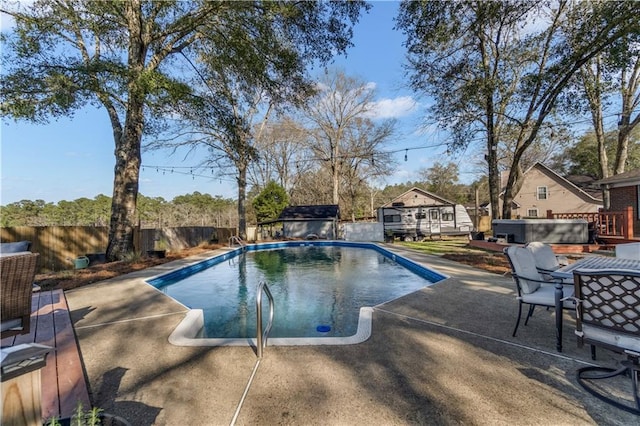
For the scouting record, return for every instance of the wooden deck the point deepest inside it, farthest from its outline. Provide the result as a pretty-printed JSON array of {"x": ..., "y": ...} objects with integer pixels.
[{"x": 63, "y": 380}]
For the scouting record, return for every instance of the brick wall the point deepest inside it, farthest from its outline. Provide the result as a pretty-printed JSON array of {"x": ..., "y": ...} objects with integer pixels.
[{"x": 623, "y": 197}]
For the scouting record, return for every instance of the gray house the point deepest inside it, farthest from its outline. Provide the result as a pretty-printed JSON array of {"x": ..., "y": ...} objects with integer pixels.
[{"x": 310, "y": 221}]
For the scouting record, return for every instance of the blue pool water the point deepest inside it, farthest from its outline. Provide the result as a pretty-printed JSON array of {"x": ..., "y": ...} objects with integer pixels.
[{"x": 318, "y": 288}]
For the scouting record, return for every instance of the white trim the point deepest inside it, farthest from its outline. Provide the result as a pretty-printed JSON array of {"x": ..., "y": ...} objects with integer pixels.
[
  {"x": 185, "y": 334},
  {"x": 546, "y": 192}
]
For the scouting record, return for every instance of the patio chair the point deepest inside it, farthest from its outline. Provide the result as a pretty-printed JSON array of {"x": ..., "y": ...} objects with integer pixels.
[
  {"x": 531, "y": 286},
  {"x": 17, "y": 272},
  {"x": 628, "y": 251},
  {"x": 546, "y": 260},
  {"x": 608, "y": 315}
]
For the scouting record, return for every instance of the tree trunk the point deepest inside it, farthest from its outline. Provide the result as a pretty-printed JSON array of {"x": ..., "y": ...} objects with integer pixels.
[
  {"x": 494, "y": 184},
  {"x": 335, "y": 177},
  {"x": 127, "y": 147},
  {"x": 492, "y": 160},
  {"x": 125, "y": 184},
  {"x": 242, "y": 201}
]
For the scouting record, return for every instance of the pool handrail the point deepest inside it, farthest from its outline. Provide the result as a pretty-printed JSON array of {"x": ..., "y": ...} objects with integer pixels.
[
  {"x": 237, "y": 240},
  {"x": 261, "y": 337}
]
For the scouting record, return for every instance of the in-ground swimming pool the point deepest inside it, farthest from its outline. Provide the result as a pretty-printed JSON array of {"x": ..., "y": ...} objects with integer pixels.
[{"x": 318, "y": 288}]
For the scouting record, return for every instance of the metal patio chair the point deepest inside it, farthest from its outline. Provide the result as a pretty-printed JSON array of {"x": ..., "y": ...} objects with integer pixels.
[
  {"x": 608, "y": 315},
  {"x": 531, "y": 286},
  {"x": 17, "y": 272}
]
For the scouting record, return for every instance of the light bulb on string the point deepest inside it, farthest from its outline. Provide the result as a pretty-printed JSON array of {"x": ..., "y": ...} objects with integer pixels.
[{"x": 406, "y": 151}]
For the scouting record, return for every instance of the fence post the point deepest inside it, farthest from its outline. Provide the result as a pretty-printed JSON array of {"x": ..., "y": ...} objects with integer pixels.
[{"x": 628, "y": 223}]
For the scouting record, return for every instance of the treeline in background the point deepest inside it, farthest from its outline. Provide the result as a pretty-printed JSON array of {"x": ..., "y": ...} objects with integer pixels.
[
  {"x": 194, "y": 209},
  {"x": 199, "y": 209}
]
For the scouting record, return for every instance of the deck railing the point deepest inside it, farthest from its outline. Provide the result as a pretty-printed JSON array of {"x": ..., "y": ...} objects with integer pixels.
[{"x": 606, "y": 223}]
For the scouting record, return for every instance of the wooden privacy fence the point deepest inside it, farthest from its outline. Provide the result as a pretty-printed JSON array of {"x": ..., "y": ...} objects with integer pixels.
[{"x": 60, "y": 245}]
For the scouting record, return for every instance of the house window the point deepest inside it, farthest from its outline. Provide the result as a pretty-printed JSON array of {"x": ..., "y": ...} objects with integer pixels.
[
  {"x": 532, "y": 213},
  {"x": 392, "y": 218},
  {"x": 542, "y": 193},
  {"x": 434, "y": 214},
  {"x": 421, "y": 215}
]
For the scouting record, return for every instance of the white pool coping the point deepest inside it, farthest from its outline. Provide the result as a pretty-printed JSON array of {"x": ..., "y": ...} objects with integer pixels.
[{"x": 185, "y": 334}]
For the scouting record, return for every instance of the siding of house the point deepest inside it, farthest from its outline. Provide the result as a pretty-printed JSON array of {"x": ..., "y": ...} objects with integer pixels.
[
  {"x": 416, "y": 197},
  {"x": 562, "y": 196}
]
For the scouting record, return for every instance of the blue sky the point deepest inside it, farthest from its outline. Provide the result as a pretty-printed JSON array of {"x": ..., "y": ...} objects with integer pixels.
[{"x": 72, "y": 158}]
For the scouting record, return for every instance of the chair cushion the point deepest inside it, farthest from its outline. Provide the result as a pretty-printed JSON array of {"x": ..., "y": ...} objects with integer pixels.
[
  {"x": 611, "y": 338},
  {"x": 11, "y": 324},
  {"x": 525, "y": 268},
  {"x": 15, "y": 247},
  {"x": 544, "y": 256},
  {"x": 545, "y": 295}
]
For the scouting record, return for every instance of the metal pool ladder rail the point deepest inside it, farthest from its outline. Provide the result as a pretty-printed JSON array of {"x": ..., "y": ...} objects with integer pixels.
[
  {"x": 261, "y": 337},
  {"x": 234, "y": 239}
]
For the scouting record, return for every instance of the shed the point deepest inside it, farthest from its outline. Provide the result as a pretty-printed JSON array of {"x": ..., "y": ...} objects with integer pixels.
[{"x": 319, "y": 221}]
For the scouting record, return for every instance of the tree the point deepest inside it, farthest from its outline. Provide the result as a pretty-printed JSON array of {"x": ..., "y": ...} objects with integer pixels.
[
  {"x": 24, "y": 213},
  {"x": 487, "y": 70},
  {"x": 466, "y": 56},
  {"x": 364, "y": 162},
  {"x": 614, "y": 72},
  {"x": 152, "y": 211},
  {"x": 247, "y": 71},
  {"x": 339, "y": 131},
  {"x": 441, "y": 178},
  {"x": 270, "y": 202},
  {"x": 279, "y": 150},
  {"x": 582, "y": 158},
  {"x": 64, "y": 54}
]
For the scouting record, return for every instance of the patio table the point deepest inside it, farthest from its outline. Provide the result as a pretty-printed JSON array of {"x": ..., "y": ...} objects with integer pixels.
[
  {"x": 596, "y": 262},
  {"x": 591, "y": 262}
]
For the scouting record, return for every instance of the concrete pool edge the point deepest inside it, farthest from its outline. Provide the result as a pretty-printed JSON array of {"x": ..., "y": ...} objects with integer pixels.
[{"x": 185, "y": 334}]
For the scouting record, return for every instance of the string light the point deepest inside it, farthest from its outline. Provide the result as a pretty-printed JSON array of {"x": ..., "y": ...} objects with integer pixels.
[{"x": 406, "y": 151}]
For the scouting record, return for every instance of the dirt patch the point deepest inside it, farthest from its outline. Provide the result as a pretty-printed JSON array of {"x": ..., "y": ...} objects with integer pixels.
[
  {"x": 67, "y": 280},
  {"x": 491, "y": 262}
]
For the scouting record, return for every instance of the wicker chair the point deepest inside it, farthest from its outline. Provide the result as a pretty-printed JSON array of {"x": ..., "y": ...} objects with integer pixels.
[
  {"x": 608, "y": 315},
  {"x": 17, "y": 273}
]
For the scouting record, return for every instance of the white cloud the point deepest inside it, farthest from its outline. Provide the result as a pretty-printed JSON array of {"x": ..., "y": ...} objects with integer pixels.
[{"x": 393, "y": 108}]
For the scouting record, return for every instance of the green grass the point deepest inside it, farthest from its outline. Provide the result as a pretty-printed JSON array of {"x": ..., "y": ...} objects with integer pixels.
[{"x": 443, "y": 246}]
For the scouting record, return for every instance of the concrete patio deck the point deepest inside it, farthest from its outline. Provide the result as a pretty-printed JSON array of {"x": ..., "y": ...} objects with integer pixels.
[{"x": 443, "y": 355}]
